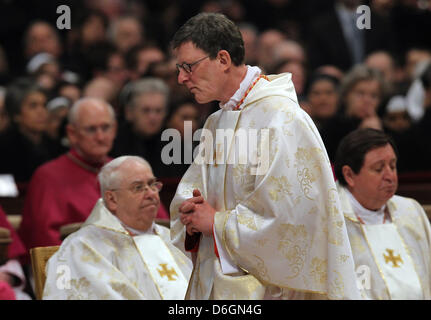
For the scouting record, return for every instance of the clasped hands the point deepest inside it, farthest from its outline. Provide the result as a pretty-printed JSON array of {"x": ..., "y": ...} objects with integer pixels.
[{"x": 197, "y": 214}]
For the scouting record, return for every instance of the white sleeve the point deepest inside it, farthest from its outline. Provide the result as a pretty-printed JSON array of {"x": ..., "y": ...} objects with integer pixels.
[{"x": 227, "y": 265}]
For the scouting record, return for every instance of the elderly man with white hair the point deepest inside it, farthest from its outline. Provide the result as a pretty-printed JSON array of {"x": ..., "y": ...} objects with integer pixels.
[{"x": 119, "y": 252}]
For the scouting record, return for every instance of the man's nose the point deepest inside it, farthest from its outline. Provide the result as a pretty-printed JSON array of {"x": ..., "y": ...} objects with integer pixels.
[
  {"x": 182, "y": 76},
  {"x": 390, "y": 174},
  {"x": 100, "y": 134}
]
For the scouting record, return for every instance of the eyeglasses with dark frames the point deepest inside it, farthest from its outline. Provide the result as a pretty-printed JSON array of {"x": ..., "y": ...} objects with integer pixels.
[{"x": 187, "y": 67}]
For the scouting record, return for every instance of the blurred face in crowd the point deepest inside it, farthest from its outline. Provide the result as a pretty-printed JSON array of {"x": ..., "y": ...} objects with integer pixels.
[
  {"x": 33, "y": 115},
  {"x": 323, "y": 99},
  {"x": 100, "y": 87},
  {"x": 147, "y": 56},
  {"x": 134, "y": 202},
  {"x": 128, "y": 34},
  {"x": 70, "y": 91},
  {"x": 205, "y": 81},
  {"x": 298, "y": 75},
  {"x": 363, "y": 99},
  {"x": 397, "y": 120},
  {"x": 377, "y": 180},
  {"x": 117, "y": 71},
  {"x": 93, "y": 30},
  {"x": 147, "y": 113},
  {"x": 185, "y": 112},
  {"x": 250, "y": 40},
  {"x": 93, "y": 132},
  {"x": 55, "y": 119},
  {"x": 413, "y": 57},
  {"x": 383, "y": 62},
  {"x": 267, "y": 41},
  {"x": 42, "y": 38}
]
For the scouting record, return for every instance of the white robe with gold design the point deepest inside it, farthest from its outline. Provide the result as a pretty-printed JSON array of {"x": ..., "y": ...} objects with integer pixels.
[
  {"x": 413, "y": 227},
  {"x": 102, "y": 261},
  {"x": 283, "y": 228}
]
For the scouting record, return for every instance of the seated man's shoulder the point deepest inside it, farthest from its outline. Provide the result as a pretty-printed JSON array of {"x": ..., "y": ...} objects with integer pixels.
[
  {"x": 405, "y": 204},
  {"x": 52, "y": 167}
]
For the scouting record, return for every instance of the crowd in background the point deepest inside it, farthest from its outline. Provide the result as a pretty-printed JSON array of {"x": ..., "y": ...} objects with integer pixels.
[
  {"x": 117, "y": 50},
  {"x": 345, "y": 77}
]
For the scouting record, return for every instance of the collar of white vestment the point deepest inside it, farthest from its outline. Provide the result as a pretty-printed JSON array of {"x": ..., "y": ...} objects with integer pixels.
[
  {"x": 101, "y": 217},
  {"x": 365, "y": 215},
  {"x": 251, "y": 75}
]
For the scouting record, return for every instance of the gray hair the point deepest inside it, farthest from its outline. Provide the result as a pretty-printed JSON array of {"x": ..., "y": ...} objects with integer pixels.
[
  {"x": 143, "y": 86},
  {"x": 110, "y": 176},
  {"x": 361, "y": 73},
  {"x": 72, "y": 116}
]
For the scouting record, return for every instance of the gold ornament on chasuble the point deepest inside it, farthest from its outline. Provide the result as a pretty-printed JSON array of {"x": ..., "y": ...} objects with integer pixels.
[
  {"x": 293, "y": 244},
  {"x": 280, "y": 187},
  {"x": 357, "y": 243},
  {"x": 308, "y": 163},
  {"x": 164, "y": 271},
  {"x": 336, "y": 287},
  {"x": 79, "y": 286},
  {"x": 337, "y": 224},
  {"x": 318, "y": 270},
  {"x": 390, "y": 257},
  {"x": 123, "y": 289}
]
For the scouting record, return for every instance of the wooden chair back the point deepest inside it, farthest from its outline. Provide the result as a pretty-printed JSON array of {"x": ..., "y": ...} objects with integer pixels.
[{"x": 39, "y": 258}]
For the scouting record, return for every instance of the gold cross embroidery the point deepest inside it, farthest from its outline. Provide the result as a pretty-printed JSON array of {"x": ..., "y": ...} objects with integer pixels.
[
  {"x": 392, "y": 258},
  {"x": 166, "y": 272}
]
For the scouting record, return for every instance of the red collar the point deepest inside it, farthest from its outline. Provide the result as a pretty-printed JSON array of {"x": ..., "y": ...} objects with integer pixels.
[{"x": 79, "y": 160}]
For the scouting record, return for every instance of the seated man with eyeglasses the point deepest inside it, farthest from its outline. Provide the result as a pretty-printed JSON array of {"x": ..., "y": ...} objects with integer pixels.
[
  {"x": 65, "y": 190},
  {"x": 119, "y": 252}
]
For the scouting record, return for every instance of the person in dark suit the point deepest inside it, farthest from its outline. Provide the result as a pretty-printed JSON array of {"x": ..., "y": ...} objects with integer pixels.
[{"x": 335, "y": 38}]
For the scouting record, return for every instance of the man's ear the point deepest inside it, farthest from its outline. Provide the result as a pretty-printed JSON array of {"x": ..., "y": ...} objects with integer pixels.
[
  {"x": 71, "y": 134},
  {"x": 348, "y": 175},
  {"x": 111, "y": 201},
  {"x": 225, "y": 59}
]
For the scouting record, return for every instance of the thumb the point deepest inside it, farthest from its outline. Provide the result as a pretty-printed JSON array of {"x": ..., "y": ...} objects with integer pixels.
[{"x": 196, "y": 193}]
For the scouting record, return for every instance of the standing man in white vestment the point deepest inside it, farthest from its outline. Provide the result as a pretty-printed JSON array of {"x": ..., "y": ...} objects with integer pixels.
[
  {"x": 119, "y": 252},
  {"x": 390, "y": 235},
  {"x": 262, "y": 216}
]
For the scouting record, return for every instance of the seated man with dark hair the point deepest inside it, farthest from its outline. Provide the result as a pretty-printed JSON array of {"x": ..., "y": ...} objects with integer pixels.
[
  {"x": 119, "y": 252},
  {"x": 390, "y": 235}
]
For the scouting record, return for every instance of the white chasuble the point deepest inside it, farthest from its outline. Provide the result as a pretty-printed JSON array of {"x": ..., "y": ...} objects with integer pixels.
[
  {"x": 278, "y": 215},
  {"x": 103, "y": 261},
  {"x": 397, "y": 255}
]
